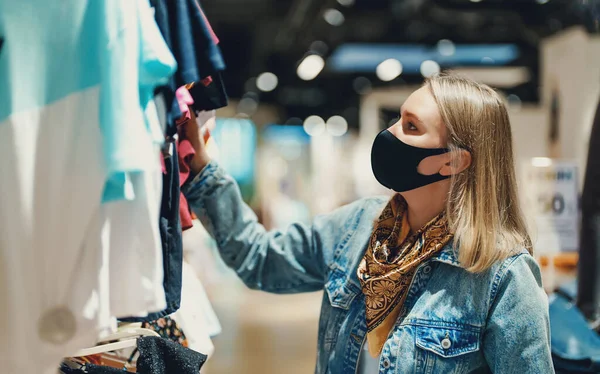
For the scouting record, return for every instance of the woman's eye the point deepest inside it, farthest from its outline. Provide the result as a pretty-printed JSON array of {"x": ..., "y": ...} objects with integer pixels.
[{"x": 411, "y": 127}]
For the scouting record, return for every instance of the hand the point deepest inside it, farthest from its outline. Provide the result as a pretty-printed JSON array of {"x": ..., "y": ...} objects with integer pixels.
[{"x": 197, "y": 137}]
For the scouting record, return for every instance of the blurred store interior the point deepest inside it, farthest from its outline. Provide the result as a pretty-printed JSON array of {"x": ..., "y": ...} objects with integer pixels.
[{"x": 311, "y": 82}]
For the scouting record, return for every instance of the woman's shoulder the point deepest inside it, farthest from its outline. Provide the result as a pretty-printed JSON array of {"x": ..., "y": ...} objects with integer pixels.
[
  {"x": 517, "y": 275},
  {"x": 372, "y": 203},
  {"x": 347, "y": 229},
  {"x": 357, "y": 212},
  {"x": 521, "y": 261}
]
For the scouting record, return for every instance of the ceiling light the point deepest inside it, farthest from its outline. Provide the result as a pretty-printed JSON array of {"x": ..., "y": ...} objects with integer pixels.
[
  {"x": 247, "y": 105},
  {"x": 314, "y": 125},
  {"x": 266, "y": 82},
  {"x": 499, "y": 77},
  {"x": 475, "y": 1},
  {"x": 542, "y": 1},
  {"x": 389, "y": 70},
  {"x": 310, "y": 67},
  {"x": 514, "y": 102},
  {"x": 429, "y": 68},
  {"x": 333, "y": 17},
  {"x": 541, "y": 162},
  {"x": 250, "y": 84},
  {"x": 337, "y": 126},
  {"x": 346, "y": 3},
  {"x": 362, "y": 85},
  {"x": 319, "y": 47},
  {"x": 293, "y": 121},
  {"x": 445, "y": 47}
]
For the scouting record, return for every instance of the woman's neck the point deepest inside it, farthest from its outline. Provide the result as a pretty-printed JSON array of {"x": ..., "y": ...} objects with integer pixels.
[{"x": 426, "y": 203}]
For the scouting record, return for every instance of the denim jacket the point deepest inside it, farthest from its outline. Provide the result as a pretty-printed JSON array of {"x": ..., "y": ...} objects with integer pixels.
[{"x": 452, "y": 321}]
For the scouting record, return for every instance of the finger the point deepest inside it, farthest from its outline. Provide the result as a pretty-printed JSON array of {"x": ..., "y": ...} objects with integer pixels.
[{"x": 205, "y": 134}]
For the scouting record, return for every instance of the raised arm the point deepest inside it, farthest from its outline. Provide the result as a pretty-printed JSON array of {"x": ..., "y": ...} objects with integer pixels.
[{"x": 290, "y": 261}]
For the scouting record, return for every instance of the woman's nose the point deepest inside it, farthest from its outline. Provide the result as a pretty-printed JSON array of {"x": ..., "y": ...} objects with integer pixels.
[{"x": 396, "y": 129}]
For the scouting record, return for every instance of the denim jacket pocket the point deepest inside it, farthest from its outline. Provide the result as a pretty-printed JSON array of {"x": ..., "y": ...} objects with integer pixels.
[
  {"x": 340, "y": 290},
  {"x": 448, "y": 340},
  {"x": 446, "y": 348}
]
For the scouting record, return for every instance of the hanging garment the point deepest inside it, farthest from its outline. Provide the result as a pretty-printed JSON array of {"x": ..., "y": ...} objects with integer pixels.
[
  {"x": 213, "y": 96},
  {"x": 196, "y": 315},
  {"x": 73, "y": 114},
  {"x": 194, "y": 45},
  {"x": 157, "y": 356},
  {"x": 169, "y": 329},
  {"x": 90, "y": 369},
  {"x": 170, "y": 237},
  {"x": 186, "y": 153},
  {"x": 167, "y": 14},
  {"x": 162, "y": 356},
  {"x": 134, "y": 241}
]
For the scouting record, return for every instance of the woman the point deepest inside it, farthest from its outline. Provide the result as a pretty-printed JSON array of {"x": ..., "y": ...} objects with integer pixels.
[{"x": 439, "y": 279}]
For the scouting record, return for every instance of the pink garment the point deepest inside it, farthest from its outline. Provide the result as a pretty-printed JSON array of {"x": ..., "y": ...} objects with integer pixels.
[
  {"x": 185, "y": 152},
  {"x": 207, "y": 81},
  {"x": 163, "y": 167},
  {"x": 184, "y": 99}
]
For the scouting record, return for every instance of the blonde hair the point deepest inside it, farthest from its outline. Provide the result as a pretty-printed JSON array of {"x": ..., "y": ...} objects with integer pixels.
[{"x": 483, "y": 205}]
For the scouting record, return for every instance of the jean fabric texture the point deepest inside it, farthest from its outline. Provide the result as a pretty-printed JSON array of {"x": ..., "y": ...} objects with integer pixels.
[
  {"x": 452, "y": 321},
  {"x": 170, "y": 233}
]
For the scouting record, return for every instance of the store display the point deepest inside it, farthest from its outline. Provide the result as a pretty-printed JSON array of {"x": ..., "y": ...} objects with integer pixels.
[
  {"x": 108, "y": 106},
  {"x": 91, "y": 228},
  {"x": 187, "y": 32},
  {"x": 87, "y": 128}
]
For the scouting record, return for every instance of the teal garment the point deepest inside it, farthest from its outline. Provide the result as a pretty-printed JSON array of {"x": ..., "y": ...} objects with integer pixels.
[
  {"x": 156, "y": 65},
  {"x": 52, "y": 51}
]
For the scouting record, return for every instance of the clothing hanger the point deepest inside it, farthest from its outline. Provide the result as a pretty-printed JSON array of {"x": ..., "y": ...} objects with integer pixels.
[{"x": 115, "y": 341}]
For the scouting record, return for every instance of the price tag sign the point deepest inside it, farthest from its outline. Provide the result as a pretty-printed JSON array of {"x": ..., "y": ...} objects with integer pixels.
[{"x": 552, "y": 193}]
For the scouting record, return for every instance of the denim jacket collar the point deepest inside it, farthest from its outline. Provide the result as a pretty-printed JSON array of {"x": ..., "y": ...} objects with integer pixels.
[{"x": 447, "y": 255}]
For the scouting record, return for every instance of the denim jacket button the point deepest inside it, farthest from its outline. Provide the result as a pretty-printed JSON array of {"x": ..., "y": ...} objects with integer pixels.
[
  {"x": 386, "y": 363},
  {"x": 446, "y": 343},
  {"x": 427, "y": 269}
]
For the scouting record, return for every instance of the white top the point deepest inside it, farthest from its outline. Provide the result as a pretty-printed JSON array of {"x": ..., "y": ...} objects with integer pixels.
[
  {"x": 75, "y": 81},
  {"x": 368, "y": 364}
]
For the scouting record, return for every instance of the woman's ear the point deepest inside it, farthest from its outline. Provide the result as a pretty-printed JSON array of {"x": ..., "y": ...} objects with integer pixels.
[{"x": 459, "y": 161}]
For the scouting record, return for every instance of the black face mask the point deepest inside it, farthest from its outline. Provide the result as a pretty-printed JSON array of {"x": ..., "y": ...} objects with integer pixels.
[{"x": 395, "y": 163}]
